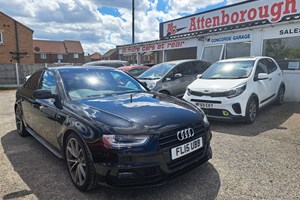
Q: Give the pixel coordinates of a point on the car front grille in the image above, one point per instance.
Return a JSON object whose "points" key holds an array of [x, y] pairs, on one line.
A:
{"points": [[212, 94], [169, 140]]}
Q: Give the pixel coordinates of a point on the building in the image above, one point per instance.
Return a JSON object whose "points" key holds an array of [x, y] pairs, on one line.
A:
{"points": [[111, 54], [95, 56], [48, 51], [249, 28], [15, 41]]}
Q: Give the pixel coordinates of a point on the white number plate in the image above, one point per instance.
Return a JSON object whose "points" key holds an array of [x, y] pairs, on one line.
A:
{"points": [[205, 105], [186, 148]]}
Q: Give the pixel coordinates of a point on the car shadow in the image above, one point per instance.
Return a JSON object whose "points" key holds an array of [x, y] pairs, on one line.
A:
{"points": [[270, 117], [47, 177]]}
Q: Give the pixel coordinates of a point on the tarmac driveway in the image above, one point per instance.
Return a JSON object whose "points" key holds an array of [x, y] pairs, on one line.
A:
{"points": [[258, 161]]}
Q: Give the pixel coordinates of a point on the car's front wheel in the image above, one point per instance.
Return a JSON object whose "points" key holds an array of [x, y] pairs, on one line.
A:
{"points": [[251, 111], [80, 163], [20, 123]]}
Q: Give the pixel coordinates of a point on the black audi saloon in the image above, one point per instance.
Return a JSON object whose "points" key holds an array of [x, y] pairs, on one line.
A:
{"points": [[109, 128]]}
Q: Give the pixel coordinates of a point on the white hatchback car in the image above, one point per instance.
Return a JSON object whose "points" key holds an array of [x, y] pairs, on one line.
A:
{"points": [[236, 89]]}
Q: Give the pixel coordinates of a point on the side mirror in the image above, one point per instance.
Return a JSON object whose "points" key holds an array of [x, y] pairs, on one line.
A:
{"points": [[262, 76], [178, 75], [43, 94], [199, 76]]}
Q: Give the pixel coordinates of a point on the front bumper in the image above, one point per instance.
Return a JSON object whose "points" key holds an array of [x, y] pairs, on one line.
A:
{"points": [[131, 176], [136, 170]]}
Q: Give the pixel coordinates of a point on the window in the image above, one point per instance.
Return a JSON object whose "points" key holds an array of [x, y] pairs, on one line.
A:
{"points": [[212, 53], [60, 56], [43, 56], [239, 49], [1, 38], [286, 51], [76, 55], [32, 83], [261, 68], [270, 65], [48, 82]]}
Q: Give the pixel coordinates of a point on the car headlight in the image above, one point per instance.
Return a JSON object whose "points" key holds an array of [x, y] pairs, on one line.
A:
{"points": [[151, 86], [124, 141], [236, 91]]}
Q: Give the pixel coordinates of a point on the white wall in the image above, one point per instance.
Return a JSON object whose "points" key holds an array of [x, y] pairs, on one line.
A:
{"points": [[292, 85]]}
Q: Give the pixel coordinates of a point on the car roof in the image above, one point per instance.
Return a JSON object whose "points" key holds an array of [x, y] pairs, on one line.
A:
{"points": [[133, 67], [58, 68], [106, 61], [181, 61], [250, 58]]}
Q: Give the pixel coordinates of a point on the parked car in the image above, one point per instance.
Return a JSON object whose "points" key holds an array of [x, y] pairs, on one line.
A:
{"points": [[112, 132], [134, 70], [108, 63], [237, 88], [173, 77]]}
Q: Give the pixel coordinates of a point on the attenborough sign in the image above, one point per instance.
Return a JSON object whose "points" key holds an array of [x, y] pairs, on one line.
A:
{"points": [[250, 11]]}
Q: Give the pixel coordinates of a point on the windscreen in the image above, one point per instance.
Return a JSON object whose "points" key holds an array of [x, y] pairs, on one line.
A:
{"points": [[229, 70], [156, 72], [88, 83]]}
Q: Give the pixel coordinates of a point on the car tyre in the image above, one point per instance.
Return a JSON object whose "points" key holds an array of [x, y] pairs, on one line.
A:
{"points": [[20, 123], [280, 96], [80, 163], [251, 111]]}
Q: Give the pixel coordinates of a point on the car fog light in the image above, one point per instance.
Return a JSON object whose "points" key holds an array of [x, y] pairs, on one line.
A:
{"points": [[225, 113]]}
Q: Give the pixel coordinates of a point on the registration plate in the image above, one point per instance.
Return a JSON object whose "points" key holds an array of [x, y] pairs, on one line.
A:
{"points": [[186, 148], [205, 105]]}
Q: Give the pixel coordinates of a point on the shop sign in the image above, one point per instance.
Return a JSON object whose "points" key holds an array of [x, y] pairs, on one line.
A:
{"points": [[157, 46], [230, 38], [250, 11]]}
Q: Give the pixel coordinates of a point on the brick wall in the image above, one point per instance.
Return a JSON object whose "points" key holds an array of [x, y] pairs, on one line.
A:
{"points": [[7, 27], [50, 58]]}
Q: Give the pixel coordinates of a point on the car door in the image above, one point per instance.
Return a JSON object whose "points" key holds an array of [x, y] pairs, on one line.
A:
{"points": [[186, 71], [262, 86], [26, 97], [275, 76], [44, 114]]}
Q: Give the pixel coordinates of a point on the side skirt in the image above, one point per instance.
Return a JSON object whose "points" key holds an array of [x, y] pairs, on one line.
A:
{"points": [[45, 143]]}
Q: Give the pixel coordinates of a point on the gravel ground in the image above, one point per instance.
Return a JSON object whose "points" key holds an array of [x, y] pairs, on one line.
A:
{"points": [[258, 161]]}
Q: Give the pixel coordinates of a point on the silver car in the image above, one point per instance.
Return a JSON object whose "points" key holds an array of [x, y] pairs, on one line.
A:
{"points": [[108, 63], [173, 77]]}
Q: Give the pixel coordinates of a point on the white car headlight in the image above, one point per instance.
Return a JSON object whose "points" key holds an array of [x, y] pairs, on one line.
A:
{"points": [[151, 85], [124, 141], [236, 91]]}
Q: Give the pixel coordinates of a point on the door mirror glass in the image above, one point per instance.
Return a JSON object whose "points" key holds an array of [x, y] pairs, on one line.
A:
{"points": [[199, 76]]}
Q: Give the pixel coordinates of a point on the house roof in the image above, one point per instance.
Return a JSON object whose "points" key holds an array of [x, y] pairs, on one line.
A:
{"points": [[5, 15], [48, 46], [73, 46], [110, 52], [95, 56]]}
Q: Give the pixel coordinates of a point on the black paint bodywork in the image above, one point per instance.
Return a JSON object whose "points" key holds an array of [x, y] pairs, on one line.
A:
{"points": [[145, 113]]}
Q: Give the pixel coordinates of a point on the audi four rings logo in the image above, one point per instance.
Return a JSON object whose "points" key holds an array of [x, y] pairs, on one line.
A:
{"points": [[185, 134]]}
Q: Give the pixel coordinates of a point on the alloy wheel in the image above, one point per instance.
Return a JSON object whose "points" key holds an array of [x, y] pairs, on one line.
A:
{"points": [[281, 96], [19, 120], [76, 161], [252, 110]]}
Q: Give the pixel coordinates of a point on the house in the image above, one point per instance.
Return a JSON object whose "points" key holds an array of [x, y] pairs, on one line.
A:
{"points": [[49, 51], [15, 41], [95, 56], [111, 54]]}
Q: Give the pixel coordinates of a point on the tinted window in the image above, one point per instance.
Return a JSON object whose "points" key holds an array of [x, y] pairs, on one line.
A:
{"points": [[261, 68], [32, 83], [199, 67], [48, 81], [185, 69], [136, 72], [270, 65]]}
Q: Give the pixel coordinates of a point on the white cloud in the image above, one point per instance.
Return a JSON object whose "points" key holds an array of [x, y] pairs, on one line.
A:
{"points": [[81, 20]]}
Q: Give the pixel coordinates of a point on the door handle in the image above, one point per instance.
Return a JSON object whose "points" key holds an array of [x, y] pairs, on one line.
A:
{"points": [[270, 79]]}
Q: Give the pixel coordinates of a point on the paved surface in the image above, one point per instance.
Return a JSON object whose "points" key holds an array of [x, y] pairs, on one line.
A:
{"points": [[258, 161]]}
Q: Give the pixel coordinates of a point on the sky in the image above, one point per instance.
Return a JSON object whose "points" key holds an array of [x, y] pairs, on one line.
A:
{"points": [[101, 25]]}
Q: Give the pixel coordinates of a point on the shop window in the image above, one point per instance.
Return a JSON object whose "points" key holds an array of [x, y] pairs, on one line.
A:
{"points": [[43, 56], [286, 51], [76, 55], [239, 49], [212, 53], [1, 38]]}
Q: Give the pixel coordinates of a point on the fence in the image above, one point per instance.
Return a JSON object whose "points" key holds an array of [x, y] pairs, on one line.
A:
{"points": [[13, 75]]}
